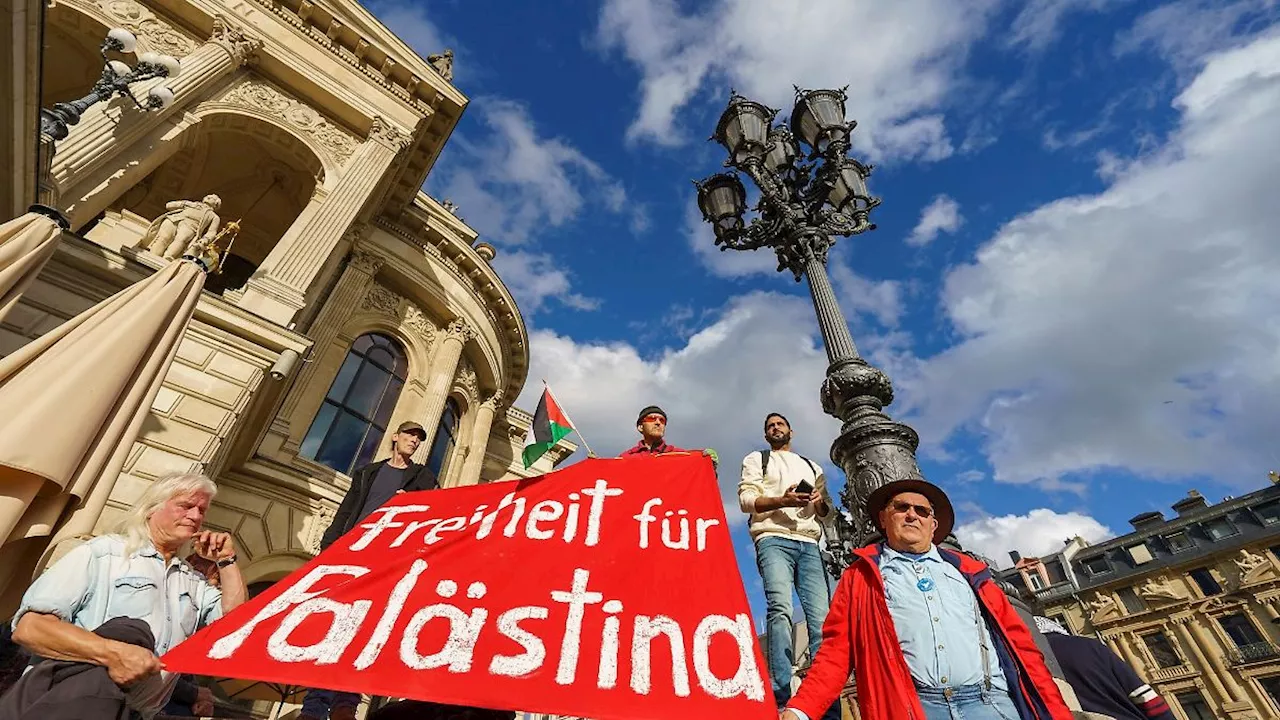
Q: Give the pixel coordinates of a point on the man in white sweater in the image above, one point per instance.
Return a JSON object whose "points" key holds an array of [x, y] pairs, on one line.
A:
{"points": [[785, 495]]}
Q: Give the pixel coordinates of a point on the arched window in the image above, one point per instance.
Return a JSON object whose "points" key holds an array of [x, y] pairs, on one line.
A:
{"points": [[353, 419], [445, 440]]}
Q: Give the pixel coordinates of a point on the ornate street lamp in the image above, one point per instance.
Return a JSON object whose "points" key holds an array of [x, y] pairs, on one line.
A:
{"points": [[116, 79], [805, 202]]}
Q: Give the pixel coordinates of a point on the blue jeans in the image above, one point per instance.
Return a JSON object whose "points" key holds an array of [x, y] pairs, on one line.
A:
{"points": [[968, 702], [317, 703], [787, 566]]}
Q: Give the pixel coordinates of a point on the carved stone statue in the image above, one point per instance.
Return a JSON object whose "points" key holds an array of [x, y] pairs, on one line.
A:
{"points": [[1159, 590], [184, 222], [449, 205], [442, 64], [207, 251], [1104, 606], [1252, 566]]}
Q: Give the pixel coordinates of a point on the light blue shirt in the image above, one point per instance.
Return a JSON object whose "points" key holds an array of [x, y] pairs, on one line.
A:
{"points": [[96, 582], [935, 613]]}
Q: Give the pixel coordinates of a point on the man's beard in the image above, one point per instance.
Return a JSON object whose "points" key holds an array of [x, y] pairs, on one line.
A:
{"points": [[780, 442]]}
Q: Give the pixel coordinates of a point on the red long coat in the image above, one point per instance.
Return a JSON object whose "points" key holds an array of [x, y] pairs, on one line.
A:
{"points": [[858, 635]]}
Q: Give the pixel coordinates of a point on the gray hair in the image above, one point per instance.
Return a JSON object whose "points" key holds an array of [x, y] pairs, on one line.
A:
{"points": [[133, 525]]}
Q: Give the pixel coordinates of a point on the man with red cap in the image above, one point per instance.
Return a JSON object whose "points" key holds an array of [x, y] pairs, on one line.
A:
{"points": [[926, 632]]}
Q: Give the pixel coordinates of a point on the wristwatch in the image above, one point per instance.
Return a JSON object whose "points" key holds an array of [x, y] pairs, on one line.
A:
{"points": [[227, 561]]}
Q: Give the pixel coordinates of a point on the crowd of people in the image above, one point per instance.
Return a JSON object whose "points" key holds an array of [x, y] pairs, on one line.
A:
{"points": [[922, 627]]}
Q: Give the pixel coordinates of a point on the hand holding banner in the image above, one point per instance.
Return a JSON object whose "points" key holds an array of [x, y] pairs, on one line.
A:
{"points": [[605, 590]]}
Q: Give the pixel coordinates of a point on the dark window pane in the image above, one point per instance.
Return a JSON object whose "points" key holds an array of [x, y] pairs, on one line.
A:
{"points": [[1272, 686], [319, 428], [1219, 528], [1097, 565], [367, 390], [1056, 573], [1208, 584], [338, 390], [1132, 603], [1179, 541], [370, 448], [1240, 630], [1194, 706], [388, 403], [1270, 515], [442, 445], [340, 447], [1162, 650], [350, 424]]}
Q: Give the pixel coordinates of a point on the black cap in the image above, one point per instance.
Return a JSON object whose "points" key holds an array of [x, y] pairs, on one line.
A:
{"points": [[651, 410]]}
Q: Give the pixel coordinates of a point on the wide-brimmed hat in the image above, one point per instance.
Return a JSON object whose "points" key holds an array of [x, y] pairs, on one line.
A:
{"points": [[942, 509]]}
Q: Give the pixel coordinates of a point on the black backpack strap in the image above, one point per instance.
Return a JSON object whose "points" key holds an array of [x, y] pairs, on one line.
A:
{"points": [[764, 463], [816, 471]]}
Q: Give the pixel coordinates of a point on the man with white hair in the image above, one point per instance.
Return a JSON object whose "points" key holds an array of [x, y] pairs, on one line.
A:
{"points": [[136, 572]]}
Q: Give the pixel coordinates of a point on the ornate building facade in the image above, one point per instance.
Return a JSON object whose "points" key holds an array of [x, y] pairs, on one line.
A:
{"points": [[1191, 602], [350, 300]]}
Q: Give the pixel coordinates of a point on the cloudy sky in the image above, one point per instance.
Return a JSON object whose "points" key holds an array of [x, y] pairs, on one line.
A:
{"points": [[1075, 277]]}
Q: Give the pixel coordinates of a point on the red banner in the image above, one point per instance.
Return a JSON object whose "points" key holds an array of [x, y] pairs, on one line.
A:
{"points": [[606, 590]]}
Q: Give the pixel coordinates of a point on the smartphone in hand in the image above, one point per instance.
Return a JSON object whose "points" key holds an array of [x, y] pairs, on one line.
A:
{"points": [[804, 488]]}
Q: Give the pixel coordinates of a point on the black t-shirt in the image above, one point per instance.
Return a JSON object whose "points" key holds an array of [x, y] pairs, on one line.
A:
{"points": [[385, 484]]}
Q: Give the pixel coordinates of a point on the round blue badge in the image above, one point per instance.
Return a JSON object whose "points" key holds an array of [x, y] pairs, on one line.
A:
{"points": [[924, 584]]}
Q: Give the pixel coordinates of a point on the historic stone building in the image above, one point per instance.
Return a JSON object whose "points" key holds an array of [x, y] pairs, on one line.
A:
{"points": [[350, 301], [1191, 602]]}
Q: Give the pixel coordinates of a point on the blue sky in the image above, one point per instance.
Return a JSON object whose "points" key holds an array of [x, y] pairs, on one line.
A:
{"points": [[1074, 279]]}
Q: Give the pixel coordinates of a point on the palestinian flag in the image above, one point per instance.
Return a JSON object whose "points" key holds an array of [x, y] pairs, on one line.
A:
{"points": [[550, 424]]}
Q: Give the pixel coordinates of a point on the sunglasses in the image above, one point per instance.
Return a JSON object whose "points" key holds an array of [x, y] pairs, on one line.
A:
{"points": [[653, 419], [923, 511]]}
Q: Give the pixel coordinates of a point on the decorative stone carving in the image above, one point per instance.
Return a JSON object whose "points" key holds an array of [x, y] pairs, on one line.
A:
{"points": [[155, 34], [315, 530], [442, 63], [257, 93], [449, 205], [1104, 608], [381, 300], [366, 261], [1253, 567], [461, 330], [1159, 589], [467, 380], [183, 222], [387, 134], [232, 38], [418, 321], [496, 402]]}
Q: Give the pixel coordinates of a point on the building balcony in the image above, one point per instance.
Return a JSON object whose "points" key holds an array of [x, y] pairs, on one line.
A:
{"points": [[1177, 672], [1053, 593], [1254, 652]]}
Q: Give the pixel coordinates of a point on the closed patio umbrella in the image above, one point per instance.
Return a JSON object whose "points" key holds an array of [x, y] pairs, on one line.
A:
{"points": [[74, 400], [26, 244]]}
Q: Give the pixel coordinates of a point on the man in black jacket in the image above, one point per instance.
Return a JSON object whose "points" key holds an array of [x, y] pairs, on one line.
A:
{"points": [[371, 487], [1104, 684]]}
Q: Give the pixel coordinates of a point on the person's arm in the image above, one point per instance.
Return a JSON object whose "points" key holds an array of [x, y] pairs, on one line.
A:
{"points": [[820, 504], [218, 546], [1024, 646], [185, 692], [834, 662], [51, 637], [346, 509], [1140, 693]]}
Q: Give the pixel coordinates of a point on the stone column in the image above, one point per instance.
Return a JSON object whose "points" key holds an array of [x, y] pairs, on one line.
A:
{"points": [[1134, 651], [108, 129], [1232, 690], [279, 288], [1269, 607], [479, 444], [1184, 634], [444, 366], [338, 307]]}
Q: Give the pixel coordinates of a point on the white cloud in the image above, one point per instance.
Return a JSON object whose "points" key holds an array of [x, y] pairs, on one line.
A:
{"points": [[940, 216], [536, 277], [1134, 328], [513, 184], [899, 59], [1039, 22], [1035, 534], [1185, 32]]}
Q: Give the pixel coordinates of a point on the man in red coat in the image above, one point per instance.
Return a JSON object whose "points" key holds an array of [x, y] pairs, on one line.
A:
{"points": [[926, 631]]}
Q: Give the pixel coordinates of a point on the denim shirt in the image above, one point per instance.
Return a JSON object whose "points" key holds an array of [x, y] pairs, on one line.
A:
{"points": [[935, 613], [96, 582]]}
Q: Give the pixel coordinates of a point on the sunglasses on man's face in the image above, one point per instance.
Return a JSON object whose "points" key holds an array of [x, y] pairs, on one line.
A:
{"points": [[654, 419], [923, 511]]}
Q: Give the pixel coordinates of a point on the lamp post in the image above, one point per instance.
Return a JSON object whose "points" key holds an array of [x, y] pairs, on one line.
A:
{"points": [[806, 201], [116, 79]]}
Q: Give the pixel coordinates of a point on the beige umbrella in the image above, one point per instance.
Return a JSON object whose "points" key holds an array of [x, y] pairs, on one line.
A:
{"points": [[76, 397], [26, 244]]}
